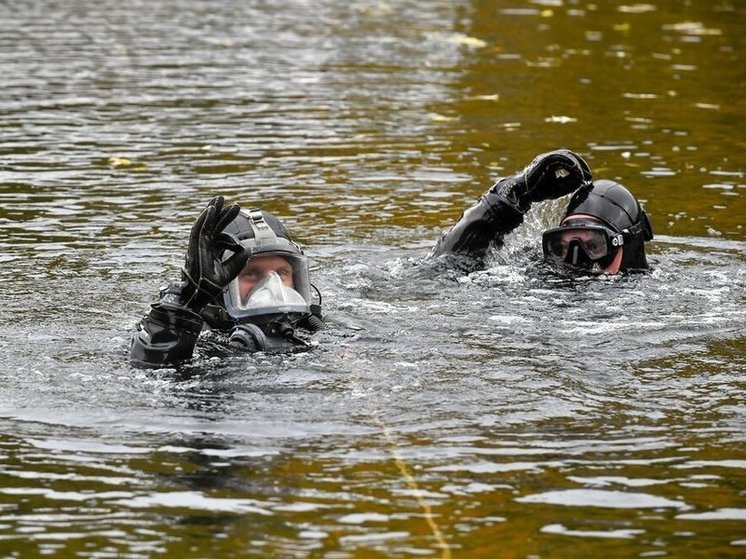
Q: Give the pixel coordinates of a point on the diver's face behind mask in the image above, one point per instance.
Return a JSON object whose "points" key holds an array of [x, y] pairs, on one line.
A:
{"points": [[269, 285], [259, 268], [584, 244]]}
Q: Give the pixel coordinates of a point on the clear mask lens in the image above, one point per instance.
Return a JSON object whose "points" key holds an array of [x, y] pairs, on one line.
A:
{"points": [[268, 275], [270, 293]]}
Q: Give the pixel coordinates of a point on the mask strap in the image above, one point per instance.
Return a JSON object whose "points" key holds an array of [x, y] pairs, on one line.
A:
{"points": [[262, 230], [642, 227], [633, 231], [647, 228], [260, 227]]}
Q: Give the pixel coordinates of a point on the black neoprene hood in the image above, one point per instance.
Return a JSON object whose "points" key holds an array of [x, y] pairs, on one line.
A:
{"points": [[608, 201]]}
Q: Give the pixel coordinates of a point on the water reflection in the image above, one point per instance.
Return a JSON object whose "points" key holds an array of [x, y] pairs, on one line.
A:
{"points": [[507, 413]]}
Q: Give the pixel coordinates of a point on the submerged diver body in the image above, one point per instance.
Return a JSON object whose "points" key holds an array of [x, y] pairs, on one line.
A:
{"points": [[603, 229], [244, 279]]}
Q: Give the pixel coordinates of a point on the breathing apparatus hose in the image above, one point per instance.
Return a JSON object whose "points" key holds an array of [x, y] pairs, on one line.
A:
{"points": [[312, 323]]}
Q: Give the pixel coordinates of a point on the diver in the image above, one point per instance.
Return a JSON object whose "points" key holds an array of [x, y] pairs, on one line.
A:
{"points": [[603, 230], [244, 280]]}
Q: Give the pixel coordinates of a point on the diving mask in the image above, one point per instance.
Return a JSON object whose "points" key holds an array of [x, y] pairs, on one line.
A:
{"points": [[582, 244]]}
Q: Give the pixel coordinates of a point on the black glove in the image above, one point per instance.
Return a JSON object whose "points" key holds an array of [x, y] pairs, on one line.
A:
{"points": [[550, 175], [204, 275]]}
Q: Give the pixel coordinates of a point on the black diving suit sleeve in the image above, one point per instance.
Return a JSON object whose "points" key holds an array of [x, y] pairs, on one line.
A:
{"points": [[481, 227], [501, 209], [165, 336]]}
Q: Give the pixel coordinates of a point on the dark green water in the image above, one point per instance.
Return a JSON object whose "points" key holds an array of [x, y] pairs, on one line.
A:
{"points": [[504, 414]]}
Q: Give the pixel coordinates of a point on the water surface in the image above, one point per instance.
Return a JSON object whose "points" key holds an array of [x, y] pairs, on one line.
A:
{"points": [[508, 413]]}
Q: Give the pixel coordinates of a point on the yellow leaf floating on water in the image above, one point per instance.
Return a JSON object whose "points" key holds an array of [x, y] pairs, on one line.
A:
{"points": [[435, 117], [468, 41], [125, 163], [547, 13], [494, 97], [623, 27], [692, 28], [560, 119], [119, 162], [709, 106], [637, 8]]}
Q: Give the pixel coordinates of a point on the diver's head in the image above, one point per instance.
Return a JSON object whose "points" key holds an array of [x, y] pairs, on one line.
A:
{"points": [[274, 282], [603, 231]]}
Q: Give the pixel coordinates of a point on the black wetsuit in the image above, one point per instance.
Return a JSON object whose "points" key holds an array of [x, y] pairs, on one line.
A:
{"points": [[482, 227], [221, 242], [501, 209], [169, 332]]}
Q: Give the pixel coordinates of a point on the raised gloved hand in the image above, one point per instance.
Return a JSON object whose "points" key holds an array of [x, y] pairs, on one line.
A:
{"points": [[204, 275], [550, 175]]}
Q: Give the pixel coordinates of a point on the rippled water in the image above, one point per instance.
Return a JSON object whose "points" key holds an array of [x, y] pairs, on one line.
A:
{"points": [[509, 413]]}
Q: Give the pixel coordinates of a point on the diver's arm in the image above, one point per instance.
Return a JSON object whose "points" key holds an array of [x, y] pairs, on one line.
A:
{"points": [[169, 332], [480, 227], [166, 336], [502, 207]]}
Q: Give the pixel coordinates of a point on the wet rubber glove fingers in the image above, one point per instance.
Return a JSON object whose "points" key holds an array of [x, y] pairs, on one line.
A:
{"points": [[554, 174], [205, 275], [235, 263]]}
